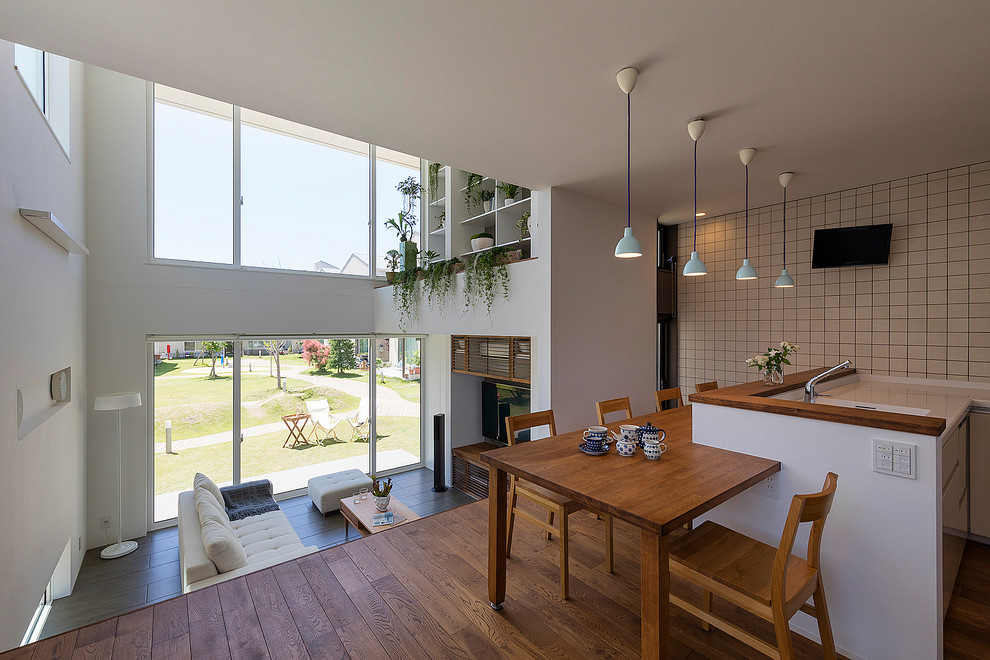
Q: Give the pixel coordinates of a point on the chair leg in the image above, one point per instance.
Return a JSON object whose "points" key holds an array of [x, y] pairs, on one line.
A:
{"points": [[706, 605], [564, 581], [609, 563], [824, 624], [548, 535], [508, 527], [783, 633]]}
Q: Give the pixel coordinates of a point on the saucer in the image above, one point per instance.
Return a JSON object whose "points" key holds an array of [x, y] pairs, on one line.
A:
{"points": [[593, 453]]}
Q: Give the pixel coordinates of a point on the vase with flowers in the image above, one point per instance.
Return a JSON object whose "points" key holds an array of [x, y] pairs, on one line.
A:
{"points": [[772, 362]]}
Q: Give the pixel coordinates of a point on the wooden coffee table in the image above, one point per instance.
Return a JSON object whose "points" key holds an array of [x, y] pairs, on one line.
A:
{"points": [[360, 514]]}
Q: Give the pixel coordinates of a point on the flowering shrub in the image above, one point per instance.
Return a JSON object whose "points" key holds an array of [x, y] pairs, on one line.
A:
{"points": [[775, 358], [316, 353]]}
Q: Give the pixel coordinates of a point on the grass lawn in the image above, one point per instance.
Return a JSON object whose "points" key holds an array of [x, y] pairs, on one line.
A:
{"points": [[264, 454]]}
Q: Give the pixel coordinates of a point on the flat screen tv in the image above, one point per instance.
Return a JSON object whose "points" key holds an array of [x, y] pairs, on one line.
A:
{"points": [[851, 246], [499, 401]]}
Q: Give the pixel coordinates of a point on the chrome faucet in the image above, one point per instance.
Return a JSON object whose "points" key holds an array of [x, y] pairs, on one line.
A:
{"points": [[809, 388]]}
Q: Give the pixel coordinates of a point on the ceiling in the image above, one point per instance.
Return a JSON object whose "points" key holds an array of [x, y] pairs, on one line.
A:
{"points": [[843, 92]]}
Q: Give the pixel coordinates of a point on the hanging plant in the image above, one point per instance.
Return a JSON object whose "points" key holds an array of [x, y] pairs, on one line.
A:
{"points": [[473, 190], [434, 181], [485, 278], [523, 224], [404, 296], [438, 282], [441, 219]]}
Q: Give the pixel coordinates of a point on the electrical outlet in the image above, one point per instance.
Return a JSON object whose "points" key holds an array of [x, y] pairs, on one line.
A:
{"points": [[105, 522], [768, 488]]}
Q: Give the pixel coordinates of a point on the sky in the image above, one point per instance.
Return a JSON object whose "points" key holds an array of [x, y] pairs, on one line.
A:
{"points": [[302, 202]]}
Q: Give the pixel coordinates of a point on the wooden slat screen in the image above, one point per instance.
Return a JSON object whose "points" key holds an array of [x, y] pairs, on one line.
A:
{"points": [[504, 358]]}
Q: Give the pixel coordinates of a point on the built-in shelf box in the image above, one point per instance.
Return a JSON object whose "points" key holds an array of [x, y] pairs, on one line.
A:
{"points": [[503, 358], [53, 229]]}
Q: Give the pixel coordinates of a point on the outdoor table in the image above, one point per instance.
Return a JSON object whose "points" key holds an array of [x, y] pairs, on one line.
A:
{"points": [[656, 496], [296, 424]]}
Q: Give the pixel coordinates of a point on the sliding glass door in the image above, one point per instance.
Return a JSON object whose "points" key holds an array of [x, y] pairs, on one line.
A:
{"points": [[305, 408]]}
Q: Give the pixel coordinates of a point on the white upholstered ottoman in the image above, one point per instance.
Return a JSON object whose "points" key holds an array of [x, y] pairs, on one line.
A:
{"points": [[326, 491]]}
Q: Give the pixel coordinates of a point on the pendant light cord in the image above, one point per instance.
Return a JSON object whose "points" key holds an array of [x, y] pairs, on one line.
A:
{"points": [[628, 159], [747, 211], [695, 195], [785, 227]]}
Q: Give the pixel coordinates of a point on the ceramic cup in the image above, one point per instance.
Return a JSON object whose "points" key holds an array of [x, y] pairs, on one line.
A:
{"points": [[594, 442], [599, 431], [654, 449], [625, 447], [628, 432]]}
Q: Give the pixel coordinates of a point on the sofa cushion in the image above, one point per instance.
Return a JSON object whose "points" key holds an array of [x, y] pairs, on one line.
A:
{"points": [[222, 546], [327, 490], [201, 481], [206, 507], [262, 534]]}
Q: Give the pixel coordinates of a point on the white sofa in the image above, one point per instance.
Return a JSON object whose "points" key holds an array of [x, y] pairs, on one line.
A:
{"points": [[267, 539]]}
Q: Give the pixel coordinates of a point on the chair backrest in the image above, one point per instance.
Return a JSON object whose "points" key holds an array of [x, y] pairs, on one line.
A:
{"points": [[706, 387], [363, 413], [613, 405], [514, 425], [811, 508], [319, 410], [670, 394]]}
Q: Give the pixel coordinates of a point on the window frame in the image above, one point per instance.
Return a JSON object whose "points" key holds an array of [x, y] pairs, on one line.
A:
{"points": [[52, 100], [237, 265]]}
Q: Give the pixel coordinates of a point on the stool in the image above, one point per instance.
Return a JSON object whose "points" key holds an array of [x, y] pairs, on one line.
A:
{"points": [[327, 490]]}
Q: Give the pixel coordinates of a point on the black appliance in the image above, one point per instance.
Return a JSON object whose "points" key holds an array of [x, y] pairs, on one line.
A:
{"points": [[851, 246]]}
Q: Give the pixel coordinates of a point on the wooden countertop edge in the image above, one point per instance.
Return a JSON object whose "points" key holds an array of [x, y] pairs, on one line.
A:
{"points": [[755, 396]]}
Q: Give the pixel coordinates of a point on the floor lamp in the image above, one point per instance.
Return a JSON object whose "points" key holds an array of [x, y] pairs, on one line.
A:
{"points": [[118, 402]]}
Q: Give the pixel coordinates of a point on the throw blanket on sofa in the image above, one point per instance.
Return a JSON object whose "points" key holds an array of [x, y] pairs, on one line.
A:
{"points": [[248, 499]]}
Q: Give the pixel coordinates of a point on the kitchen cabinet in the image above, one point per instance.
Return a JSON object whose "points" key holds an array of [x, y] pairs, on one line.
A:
{"points": [[955, 505], [979, 454]]}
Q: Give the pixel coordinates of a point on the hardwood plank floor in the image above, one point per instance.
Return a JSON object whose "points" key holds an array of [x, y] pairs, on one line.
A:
{"points": [[420, 591], [967, 623]]}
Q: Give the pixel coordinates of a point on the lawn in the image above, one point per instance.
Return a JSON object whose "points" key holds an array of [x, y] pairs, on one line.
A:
{"points": [[264, 454]]}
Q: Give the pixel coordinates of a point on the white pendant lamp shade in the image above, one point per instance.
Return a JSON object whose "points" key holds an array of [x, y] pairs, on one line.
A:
{"points": [[628, 247], [695, 266], [785, 281], [746, 271]]}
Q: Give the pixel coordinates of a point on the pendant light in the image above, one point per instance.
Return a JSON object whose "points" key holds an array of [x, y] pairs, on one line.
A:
{"points": [[746, 271], [785, 281], [695, 266], [628, 247]]}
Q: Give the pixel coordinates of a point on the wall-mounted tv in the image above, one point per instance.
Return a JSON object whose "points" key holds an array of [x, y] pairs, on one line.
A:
{"points": [[499, 401], [851, 246]]}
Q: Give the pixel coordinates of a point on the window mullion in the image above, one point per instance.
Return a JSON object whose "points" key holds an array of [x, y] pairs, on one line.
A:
{"points": [[237, 200], [372, 210]]}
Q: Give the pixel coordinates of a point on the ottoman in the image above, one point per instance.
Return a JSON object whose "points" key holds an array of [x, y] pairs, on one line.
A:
{"points": [[327, 490]]}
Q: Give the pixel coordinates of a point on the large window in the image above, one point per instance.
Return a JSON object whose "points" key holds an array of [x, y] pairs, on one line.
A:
{"points": [[241, 188]]}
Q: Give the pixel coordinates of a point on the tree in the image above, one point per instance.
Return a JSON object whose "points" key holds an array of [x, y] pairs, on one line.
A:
{"points": [[342, 355], [316, 354], [213, 348], [275, 348]]}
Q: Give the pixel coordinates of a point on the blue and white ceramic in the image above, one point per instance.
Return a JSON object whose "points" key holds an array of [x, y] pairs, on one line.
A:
{"points": [[648, 432], [594, 442], [629, 432], [598, 431], [625, 447], [593, 452], [654, 449]]}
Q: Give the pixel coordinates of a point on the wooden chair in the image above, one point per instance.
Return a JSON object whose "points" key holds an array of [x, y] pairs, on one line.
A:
{"points": [[706, 387], [770, 582], [671, 394], [554, 503], [613, 405]]}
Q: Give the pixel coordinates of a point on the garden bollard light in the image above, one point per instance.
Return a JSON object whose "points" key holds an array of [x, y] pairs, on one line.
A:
{"points": [[168, 436]]}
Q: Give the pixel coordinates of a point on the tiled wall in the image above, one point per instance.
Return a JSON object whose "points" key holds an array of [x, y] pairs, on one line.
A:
{"points": [[926, 314]]}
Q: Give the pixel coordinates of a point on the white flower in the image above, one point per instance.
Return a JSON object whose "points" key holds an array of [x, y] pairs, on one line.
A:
{"points": [[761, 360]]}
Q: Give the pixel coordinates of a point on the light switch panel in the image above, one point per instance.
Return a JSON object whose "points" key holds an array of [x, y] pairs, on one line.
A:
{"points": [[897, 458]]}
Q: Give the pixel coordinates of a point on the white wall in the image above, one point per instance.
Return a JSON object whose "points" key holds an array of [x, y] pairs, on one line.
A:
{"points": [[42, 328], [603, 309], [129, 298], [880, 549]]}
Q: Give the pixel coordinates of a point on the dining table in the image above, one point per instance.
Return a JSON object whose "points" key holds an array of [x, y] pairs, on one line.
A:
{"points": [[656, 496]]}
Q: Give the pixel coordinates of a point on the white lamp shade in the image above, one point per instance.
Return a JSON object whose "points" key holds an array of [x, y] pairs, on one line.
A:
{"points": [[628, 247], [746, 271], [695, 266], [785, 281], [117, 401]]}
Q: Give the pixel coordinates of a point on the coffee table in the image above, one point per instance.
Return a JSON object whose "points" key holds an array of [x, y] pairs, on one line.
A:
{"points": [[360, 514]]}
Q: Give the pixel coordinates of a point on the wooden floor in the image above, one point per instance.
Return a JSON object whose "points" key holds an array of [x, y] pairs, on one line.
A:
{"points": [[967, 623], [418, 591]]}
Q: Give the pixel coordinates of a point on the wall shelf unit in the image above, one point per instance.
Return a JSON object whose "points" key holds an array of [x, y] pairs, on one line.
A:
{"points": [[503, 358]]}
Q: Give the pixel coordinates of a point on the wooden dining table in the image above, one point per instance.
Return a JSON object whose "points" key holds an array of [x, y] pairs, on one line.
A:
{"points": [[656, 496]]}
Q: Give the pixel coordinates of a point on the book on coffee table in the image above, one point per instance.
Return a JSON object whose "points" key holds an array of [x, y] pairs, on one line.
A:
{"points": [[386, 518]]}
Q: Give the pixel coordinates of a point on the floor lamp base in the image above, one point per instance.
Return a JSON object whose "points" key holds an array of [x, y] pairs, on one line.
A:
{"points": [[119, 549]]}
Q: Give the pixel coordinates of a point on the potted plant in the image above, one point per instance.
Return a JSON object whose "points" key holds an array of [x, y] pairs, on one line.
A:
{"points": [[403, 227], [435, 181], [382, 490], [428, 257], [486, 276], [392, 258], [772, 362], [510, 190], [523, 224], [472, 190], [486, 197], [438, 281], [404, 297], [482, 241], [441, 219]]}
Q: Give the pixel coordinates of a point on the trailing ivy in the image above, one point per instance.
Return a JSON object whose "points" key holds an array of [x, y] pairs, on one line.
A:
{"points": [[434, 181], [486, 277], [473, 190], [404, 296], [438, 282]]}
